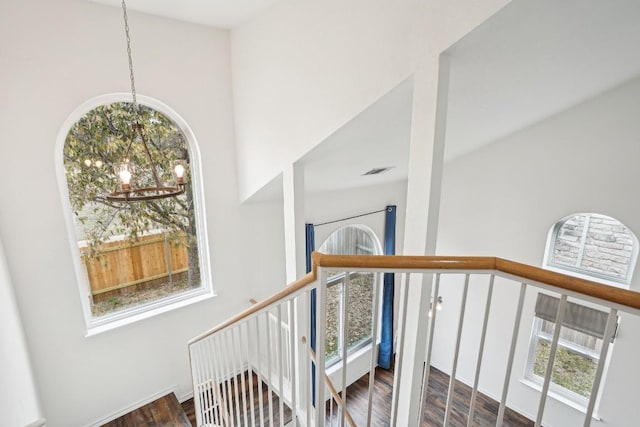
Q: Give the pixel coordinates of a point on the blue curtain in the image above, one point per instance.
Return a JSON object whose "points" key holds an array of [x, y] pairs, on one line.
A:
{"points": [[310, 245], [385, 352]]}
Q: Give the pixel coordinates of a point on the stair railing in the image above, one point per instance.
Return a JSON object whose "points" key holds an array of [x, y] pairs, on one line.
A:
{"points": [[238, 367]]}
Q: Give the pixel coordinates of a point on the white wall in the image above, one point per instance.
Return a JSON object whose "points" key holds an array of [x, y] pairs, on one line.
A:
{"points": [[321, 207], [18, 398], [303, 69], [55, 56], [502, 200]]}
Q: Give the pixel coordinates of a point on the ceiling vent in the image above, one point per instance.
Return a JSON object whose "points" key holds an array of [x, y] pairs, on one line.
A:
{"points": [[377, 171]]}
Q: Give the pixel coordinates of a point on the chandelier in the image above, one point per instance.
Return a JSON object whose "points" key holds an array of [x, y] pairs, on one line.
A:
{"points": [[126, 171]]}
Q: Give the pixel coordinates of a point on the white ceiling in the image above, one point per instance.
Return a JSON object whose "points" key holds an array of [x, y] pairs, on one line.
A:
{"points": [[530, 61], [376, 138], [216, 13], [534, 59]]}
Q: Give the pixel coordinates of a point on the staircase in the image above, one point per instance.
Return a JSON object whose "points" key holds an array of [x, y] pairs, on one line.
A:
{"points": [[261, 364]]}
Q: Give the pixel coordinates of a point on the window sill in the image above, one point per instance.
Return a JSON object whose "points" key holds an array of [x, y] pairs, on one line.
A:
{"points": [[558, 397], [336, 365], [136, 314]]}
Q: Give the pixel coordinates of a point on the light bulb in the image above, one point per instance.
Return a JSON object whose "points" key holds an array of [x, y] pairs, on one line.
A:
{"points": [[124, 173], [179, 170], [125, 177]]}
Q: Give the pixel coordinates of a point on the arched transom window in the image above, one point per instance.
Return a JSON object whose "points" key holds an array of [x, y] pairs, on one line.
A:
{"points": [[595, 245]]}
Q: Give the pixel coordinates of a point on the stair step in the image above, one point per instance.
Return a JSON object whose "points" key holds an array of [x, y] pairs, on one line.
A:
{"points": [[165, 411]]}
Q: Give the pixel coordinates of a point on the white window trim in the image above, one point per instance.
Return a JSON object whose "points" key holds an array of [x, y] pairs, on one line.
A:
{"points": [[96, 325]]}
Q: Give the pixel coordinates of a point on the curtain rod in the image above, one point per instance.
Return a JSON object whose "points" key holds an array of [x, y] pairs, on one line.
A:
{"points": [[348, 218]]}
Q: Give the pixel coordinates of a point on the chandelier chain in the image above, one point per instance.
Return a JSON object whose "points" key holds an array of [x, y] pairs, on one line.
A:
{"points": [[126, 30]]}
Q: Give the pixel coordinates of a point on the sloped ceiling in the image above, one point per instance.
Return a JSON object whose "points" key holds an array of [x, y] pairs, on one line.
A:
{"points": [[216, 13]]}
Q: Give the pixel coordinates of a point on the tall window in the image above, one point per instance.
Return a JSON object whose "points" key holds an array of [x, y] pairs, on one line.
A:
{"points": [[133, 256], [585, 244], [349, 240]]}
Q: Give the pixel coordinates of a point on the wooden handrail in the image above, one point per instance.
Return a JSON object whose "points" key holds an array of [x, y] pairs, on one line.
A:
{"points": [[525, 273], [332, 389], [292, 288]]}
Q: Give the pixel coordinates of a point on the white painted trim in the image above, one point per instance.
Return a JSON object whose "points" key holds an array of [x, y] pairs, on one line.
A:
{"points": [[132, 407], [95, 326], [136, 314], [559, 397]]}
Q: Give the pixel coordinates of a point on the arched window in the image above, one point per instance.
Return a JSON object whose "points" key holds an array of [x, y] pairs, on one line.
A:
{"points": [[595, 245], [136, 257], [600, 248], [358, 296]]}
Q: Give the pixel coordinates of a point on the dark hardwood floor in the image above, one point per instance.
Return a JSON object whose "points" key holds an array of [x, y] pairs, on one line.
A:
{"points": [[485, 412], [165, 411]]}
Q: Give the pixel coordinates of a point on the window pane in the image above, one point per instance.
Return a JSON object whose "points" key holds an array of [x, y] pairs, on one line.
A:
{"points": [[360, 310], [594, 244], [569, 241], [608, 247], [588, 342], [571, 370], [332, 347], [133, 253]]}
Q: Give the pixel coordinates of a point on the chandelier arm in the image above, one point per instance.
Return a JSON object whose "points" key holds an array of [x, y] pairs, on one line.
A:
{"points": [[148, 153]]}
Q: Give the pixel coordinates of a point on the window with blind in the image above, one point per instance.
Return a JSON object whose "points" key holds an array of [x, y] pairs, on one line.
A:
{"points": [[585, 244], [578, 348]]}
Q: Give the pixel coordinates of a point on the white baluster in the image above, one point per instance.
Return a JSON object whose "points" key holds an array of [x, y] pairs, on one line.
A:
{"points": [[431, 321], [512, 351], [452, 378], [609, 331], [398, 360], [292, 360], [238, 353], [259, 379], [250, 353], [552, 358], [280, 354], [269, 379], [485, 321], [321, 333], [375, 316], [344, 338], [229, 353]]}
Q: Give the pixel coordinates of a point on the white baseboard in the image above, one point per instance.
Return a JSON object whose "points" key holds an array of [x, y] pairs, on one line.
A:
{"points": [[132, 407], [186, 396]]}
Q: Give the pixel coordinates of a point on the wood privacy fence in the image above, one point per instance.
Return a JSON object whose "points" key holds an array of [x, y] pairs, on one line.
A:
{"points": [[126, 263]]}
